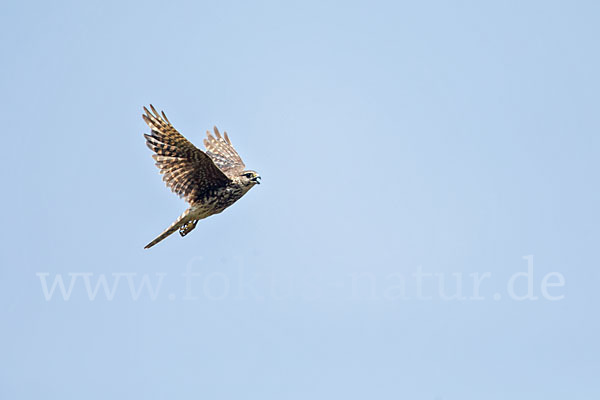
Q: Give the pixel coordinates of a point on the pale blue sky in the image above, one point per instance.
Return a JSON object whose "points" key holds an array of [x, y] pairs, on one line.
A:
{"points": [[392, 138]]}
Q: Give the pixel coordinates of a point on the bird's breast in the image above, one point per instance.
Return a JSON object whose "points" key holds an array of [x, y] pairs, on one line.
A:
{"points": [[218, 200]]}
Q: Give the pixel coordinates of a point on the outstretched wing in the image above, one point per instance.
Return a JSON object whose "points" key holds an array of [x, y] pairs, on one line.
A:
{"points": [[223, 154], [187, 170]]}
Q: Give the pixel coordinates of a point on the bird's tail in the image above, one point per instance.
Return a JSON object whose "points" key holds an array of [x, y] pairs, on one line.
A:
{"points": [[179, 222]]}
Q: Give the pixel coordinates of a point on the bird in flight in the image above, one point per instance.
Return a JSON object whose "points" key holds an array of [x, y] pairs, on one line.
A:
{"points": [[209, 181]]}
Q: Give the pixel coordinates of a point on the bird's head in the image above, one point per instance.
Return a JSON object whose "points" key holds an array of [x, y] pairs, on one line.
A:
{"points": [[249, 178]]}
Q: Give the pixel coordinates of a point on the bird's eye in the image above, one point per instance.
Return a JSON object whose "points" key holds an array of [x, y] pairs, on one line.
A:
{"points": [[248, 175]]}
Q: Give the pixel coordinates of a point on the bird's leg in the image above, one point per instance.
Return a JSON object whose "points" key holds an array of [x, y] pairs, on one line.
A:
{"points": [[187, 227]]}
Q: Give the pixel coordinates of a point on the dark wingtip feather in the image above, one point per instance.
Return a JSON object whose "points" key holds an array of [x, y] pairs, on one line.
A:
{"points": [[154, 111], [165, 117]]}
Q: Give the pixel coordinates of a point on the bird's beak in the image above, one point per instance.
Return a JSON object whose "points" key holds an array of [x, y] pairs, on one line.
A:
{"points": [[256, 179]]}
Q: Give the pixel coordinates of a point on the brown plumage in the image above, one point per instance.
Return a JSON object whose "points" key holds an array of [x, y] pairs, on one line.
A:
{"points": [[209, 182]]}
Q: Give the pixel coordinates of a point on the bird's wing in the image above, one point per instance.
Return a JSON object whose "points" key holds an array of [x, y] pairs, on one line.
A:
{"points": [[187, 170], [221, 151]]}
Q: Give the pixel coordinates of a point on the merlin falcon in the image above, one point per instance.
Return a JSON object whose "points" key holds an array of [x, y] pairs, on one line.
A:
{"points": [[209, 181]]}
